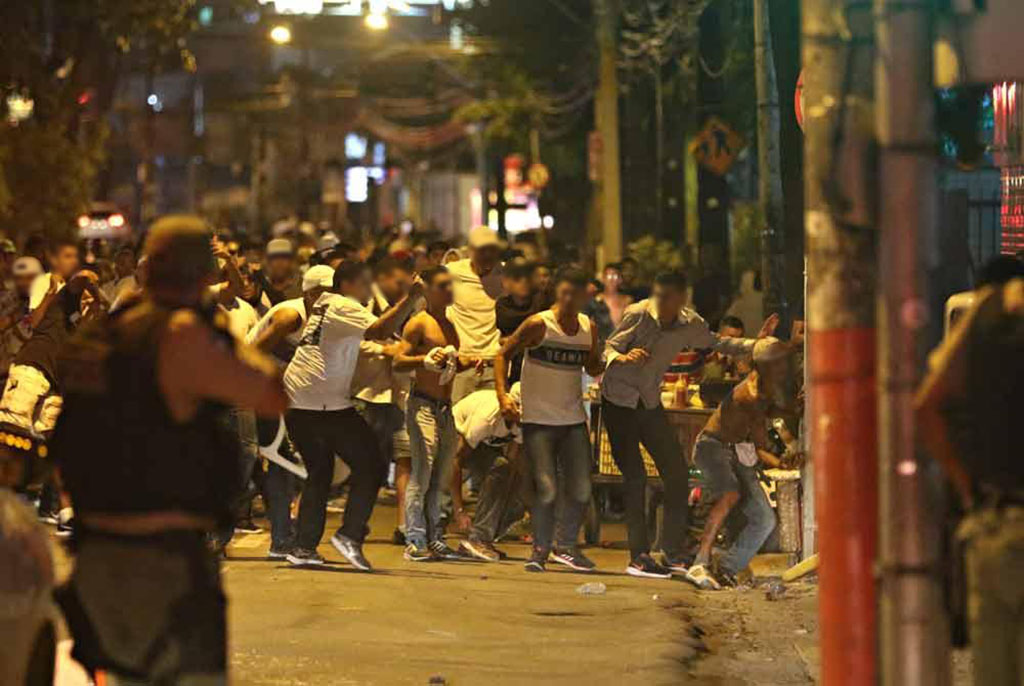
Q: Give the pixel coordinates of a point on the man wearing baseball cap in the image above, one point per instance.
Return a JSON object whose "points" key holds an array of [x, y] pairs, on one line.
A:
{"points": [[477, 285], [728, 451], [279, 281]]}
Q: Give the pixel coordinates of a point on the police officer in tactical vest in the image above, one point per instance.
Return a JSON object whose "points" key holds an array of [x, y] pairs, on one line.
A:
{"points": [[151, 472]]}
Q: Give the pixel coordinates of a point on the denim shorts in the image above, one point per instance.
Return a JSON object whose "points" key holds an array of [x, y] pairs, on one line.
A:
{"points": [[717, 463]]}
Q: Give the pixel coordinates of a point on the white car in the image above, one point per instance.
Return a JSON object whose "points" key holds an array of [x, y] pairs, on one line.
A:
{"points": [[103, 220]]}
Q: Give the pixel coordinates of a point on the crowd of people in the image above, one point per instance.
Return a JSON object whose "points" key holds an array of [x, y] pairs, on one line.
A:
{"points": [[172, 386]]}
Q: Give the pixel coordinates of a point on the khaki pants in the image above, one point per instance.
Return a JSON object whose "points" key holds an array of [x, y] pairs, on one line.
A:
{"points": [[995, 600], [27, 402]]}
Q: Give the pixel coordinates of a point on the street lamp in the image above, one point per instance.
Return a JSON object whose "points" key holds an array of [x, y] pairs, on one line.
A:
{"points": [[377, 21], [281, 34]]}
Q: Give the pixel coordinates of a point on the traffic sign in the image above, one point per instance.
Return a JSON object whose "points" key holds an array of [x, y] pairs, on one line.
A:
{"points": [[716, 146]]}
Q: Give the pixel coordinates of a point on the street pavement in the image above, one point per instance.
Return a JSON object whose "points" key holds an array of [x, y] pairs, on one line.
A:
{"points": [[450, 622]]}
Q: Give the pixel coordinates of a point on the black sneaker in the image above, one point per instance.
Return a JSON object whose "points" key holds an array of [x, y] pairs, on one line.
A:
{"points": [[676, 564], [300, 557], [644, 566], [276, 553], [443, 551], [416, 553], [574, 559], [538, 558], [247, 526], [351, 551], [398, 537], [481, 550]]}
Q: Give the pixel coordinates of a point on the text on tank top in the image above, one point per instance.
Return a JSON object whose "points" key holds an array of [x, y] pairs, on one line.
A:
{"points": [[552, 375]]}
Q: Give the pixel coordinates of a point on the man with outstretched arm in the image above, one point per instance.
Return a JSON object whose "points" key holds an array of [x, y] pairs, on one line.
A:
{"points": [[558, 344], [652, 332], [323, 420]]}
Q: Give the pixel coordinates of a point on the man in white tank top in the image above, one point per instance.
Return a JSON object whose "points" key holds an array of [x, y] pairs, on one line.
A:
{"points": [[559, 344]]}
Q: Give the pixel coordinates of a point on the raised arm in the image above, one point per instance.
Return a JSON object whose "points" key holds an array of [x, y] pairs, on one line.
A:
{"points": [[946, 381], [529, 334], [195, 364], [392, 318], [38, 312], [282, 323]]}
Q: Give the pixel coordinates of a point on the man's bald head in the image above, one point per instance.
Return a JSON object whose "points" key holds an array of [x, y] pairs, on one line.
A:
{"points": [[177, 254]]}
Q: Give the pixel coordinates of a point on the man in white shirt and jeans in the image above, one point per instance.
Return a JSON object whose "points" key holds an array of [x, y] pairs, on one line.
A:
{"points": [[476, 285], [323, 421]]}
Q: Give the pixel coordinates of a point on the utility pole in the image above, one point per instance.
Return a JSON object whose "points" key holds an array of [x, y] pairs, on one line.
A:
{"points": [[606, 115], [914, 635], [769, 166], [840, 243]]}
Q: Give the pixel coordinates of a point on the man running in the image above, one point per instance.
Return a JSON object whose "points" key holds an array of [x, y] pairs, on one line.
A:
{"points": [[430, 347], [638, 353], [727, 452], [323, 420], [151, 472], [559, 343]]}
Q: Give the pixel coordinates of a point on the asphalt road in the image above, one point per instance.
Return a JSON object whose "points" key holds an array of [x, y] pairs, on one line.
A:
{"points": [[450, 622]]}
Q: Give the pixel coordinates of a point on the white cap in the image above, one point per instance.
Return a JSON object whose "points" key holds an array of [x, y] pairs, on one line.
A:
{"points": [[26, 266], [482, 237], [280, 247], [327, 241], [320, 276], [768, 349]]}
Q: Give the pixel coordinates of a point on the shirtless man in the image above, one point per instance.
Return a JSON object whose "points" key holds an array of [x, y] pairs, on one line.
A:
{"points": [[727, 452], [430, 347]]}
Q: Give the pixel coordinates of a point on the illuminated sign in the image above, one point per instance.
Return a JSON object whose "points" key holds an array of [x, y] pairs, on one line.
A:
{"points": [[357, 8], [1012, 210]]}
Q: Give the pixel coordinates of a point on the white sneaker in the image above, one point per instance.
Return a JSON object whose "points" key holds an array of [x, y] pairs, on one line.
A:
{"points": [[699, 576]]}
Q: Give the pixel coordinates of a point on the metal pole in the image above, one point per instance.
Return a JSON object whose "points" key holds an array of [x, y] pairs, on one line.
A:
{"points": [[606, 114], [840, 243], [912, 622], [769, 166]]}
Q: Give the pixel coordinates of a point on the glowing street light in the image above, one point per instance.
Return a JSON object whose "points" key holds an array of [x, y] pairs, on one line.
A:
{"points": [[377, 21], [281, 34]]}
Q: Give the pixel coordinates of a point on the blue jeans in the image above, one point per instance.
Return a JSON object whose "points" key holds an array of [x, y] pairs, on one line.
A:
{"points": [[432, 442], [553, 452], [723, 473]]}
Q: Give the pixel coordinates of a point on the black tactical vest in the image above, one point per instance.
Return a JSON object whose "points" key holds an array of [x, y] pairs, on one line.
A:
{"points": [[117, 445]]}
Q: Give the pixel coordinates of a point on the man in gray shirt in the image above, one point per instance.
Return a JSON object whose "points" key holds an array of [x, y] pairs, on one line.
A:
{"points": [[638, 354]]}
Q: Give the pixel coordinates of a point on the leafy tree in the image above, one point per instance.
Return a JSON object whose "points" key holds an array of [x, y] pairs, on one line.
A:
{"points": [[66, 56]]}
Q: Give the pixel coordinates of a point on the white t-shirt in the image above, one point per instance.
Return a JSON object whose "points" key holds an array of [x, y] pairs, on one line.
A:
{"points": [[292, 339], [472, 313], [319, 377], [241, 318], [478, 418]]}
